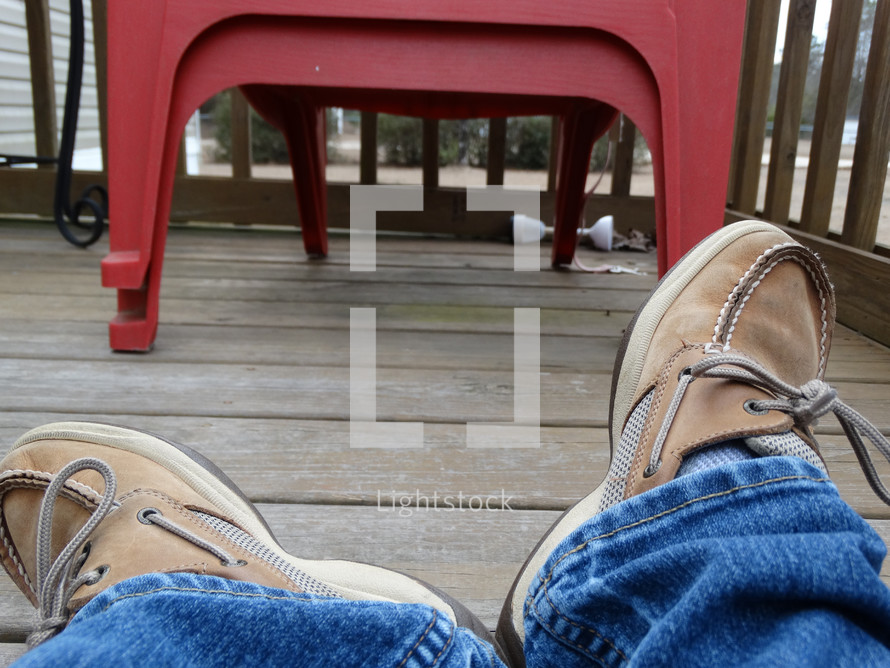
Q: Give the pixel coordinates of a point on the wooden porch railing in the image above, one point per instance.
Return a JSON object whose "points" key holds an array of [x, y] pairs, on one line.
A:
{"points": [[859, 266]]}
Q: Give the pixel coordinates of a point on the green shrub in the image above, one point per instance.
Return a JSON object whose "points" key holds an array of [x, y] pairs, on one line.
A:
{"points": [[463, 142], [528, 142], [401, 138], [267, 144]]}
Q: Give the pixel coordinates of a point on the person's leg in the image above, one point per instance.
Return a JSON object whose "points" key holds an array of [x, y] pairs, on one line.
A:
{"points": [[716, 536], [140, 551], [754, 563], [182, 619]]}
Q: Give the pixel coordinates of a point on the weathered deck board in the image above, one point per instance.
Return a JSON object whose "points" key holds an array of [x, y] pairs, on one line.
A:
{"points": [[288, 270], [396, 347], [409, 291], [309, 461], [322, 393], [9, 652], [251, 368]]}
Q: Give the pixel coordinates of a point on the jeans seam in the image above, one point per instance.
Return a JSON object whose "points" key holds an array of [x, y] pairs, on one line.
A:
{"points": [[544, 582], [670, 511], [581, 648], [198, 590], [489, 649], [445, 646], [426, 632]]}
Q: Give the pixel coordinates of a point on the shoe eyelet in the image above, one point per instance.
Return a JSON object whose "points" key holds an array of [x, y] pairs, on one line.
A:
{"points": [[750, 407], [100, 574], [81, 560], [234, 564], [145, 513], [650, 471], [687, 371]]}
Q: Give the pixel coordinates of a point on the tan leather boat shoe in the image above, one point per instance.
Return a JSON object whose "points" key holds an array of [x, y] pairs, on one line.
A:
{"points": [[84, 506], [727, 353]]}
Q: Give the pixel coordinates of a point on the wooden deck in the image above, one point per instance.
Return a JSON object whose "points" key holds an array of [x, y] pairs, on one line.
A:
{"points": [[251, 367]]}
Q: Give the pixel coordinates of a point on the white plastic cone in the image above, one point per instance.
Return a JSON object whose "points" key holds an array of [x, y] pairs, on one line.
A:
{"points": [[527, 230], [601, 233]]}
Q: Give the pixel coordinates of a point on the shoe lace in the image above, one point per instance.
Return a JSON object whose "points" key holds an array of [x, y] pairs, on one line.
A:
{"points": [[57, 582], [804, 404]]}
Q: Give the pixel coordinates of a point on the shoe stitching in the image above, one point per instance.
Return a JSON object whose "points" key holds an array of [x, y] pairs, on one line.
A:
{"points": [[806, 264], [582, 648], [31, 479], [647, 425], [823, 353], [743, 301], [733, 297], [545, 581], [653, 411], [823, 342], [184, 514], [10, 550], [784, 425], [196, 567]]}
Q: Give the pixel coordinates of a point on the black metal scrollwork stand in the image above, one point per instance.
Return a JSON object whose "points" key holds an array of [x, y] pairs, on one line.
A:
{"points": [[67, 216]]}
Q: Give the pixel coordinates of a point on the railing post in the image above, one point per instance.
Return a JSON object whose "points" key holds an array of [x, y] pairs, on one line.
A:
{"points": [[831, 110], [182, 158], [789, 105], [240, 124], [872, 141], [43, 94], [100, 49], [368, 151], [554, 154], [622, 168], [497, 148], [430, 154], [757, 70]]}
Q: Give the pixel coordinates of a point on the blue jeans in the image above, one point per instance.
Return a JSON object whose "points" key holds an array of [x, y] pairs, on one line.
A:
{"points": [[754, 563]]}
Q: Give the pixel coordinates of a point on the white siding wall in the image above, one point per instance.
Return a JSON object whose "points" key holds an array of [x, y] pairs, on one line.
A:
{"points": [[16, 115]]}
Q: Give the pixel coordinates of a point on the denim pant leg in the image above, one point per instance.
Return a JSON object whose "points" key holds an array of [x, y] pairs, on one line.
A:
{"points": [[753, 563], [193, 620]]}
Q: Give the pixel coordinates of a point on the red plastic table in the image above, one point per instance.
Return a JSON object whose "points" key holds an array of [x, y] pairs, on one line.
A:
{"points": [[670, 65]]}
